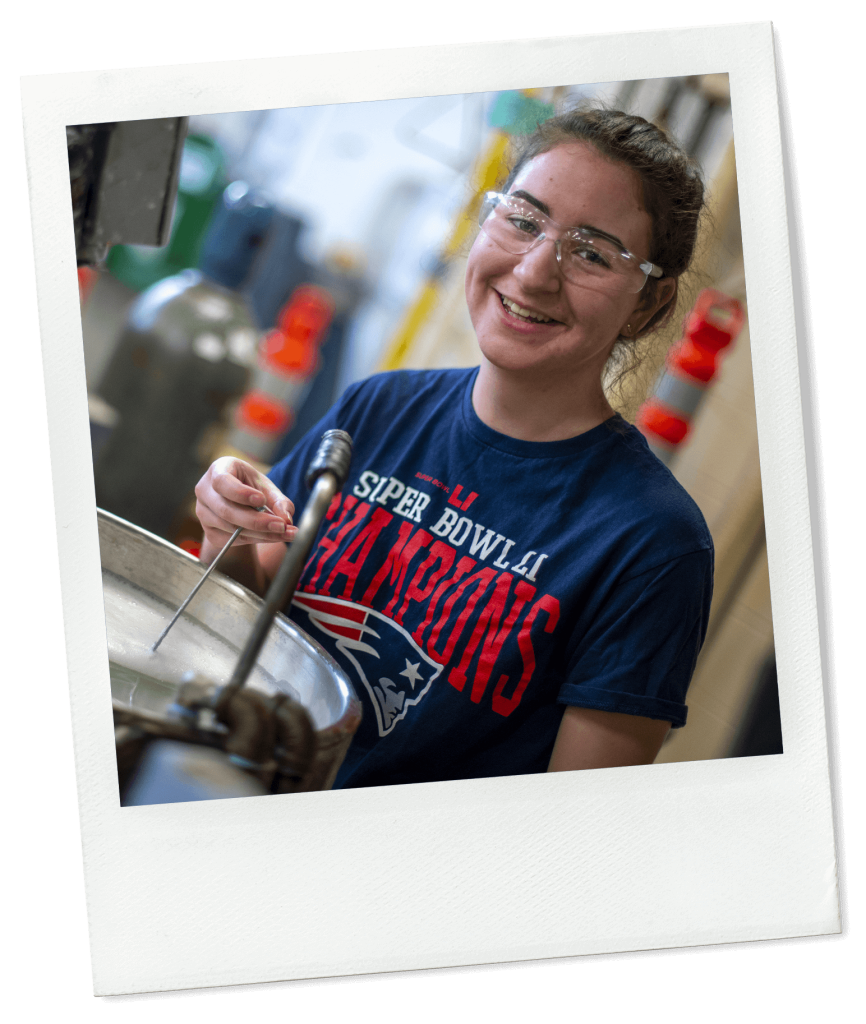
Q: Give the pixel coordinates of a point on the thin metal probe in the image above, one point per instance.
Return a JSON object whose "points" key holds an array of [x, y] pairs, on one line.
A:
{"points": [[200, 584]]}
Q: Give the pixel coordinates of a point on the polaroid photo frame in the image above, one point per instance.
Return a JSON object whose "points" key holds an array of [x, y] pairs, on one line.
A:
{"points": [[446, 874]]}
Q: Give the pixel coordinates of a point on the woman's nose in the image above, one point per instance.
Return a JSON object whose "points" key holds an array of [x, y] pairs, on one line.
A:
{"points": [[539, 267]]}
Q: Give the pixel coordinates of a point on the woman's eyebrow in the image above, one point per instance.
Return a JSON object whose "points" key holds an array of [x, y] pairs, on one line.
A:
{"points": [[545, 209], [605, 234]]}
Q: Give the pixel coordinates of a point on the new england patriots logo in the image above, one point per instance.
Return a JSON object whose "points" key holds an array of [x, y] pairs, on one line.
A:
{"points": [[350, 625]]}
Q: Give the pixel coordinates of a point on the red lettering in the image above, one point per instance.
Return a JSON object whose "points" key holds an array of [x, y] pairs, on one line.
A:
{"points": [[335, 504], [454, 498], [333, 537], [420, 540], [481, 580], [505, 705], [489, 620], [365, 540], [445, 555], [397, 564], [463, 566], [391, 564]]}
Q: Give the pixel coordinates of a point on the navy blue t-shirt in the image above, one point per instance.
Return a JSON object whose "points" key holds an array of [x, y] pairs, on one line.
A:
{"points": [[472, 584]]}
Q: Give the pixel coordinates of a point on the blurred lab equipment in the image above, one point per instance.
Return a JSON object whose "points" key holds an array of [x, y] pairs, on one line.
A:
{"points": [[124, 178], [194, 357], [288, 359], [201, 183], [185, 354], [691, 365]]}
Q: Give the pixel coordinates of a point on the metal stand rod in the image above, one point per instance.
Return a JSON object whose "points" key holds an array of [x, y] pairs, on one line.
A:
{"points": [[283, 585], [200, 584]]}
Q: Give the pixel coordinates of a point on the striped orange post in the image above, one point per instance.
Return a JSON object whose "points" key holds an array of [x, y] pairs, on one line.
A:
{"points": [[288, 359], [666, 418]]}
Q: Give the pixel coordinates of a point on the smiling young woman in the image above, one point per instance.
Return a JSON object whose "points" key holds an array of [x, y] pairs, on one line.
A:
{"points": [[541, 334], [512, 581]]}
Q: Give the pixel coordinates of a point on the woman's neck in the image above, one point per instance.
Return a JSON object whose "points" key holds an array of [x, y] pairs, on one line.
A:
{"points": [[537, 409]]}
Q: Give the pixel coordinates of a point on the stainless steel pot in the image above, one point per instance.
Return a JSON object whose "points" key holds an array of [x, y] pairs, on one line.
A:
{"points": [[145, 577]]}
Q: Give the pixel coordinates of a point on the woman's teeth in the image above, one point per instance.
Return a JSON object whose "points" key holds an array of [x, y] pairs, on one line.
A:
{"points": [[524, 314]]}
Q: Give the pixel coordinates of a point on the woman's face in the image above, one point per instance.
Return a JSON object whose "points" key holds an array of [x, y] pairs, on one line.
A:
{"points": [[575, 186]]}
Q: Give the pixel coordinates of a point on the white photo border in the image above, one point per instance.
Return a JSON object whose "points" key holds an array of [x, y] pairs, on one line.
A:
{"points": [[324, 884]]}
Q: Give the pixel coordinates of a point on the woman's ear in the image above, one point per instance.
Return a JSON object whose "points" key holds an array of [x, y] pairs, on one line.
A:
{"points": [[661, 293], [666, 290]]}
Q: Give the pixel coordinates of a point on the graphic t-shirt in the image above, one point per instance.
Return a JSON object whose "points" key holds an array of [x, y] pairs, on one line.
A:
{"points": [[471, 584]]}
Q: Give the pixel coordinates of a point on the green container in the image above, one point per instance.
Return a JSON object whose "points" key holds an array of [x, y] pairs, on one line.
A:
{"points": [[518, 114], [202, 180]]}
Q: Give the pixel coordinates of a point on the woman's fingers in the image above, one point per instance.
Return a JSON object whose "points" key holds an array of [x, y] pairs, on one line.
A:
{"points": [[229, 495], [220, 519], [242, 484]]}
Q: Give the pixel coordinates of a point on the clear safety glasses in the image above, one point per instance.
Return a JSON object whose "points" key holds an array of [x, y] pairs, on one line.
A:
{"points": [[583, 255]]}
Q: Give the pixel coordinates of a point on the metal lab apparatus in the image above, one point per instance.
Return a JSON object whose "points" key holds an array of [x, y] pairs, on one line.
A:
{"points": [[144, 579], [183, 358]]}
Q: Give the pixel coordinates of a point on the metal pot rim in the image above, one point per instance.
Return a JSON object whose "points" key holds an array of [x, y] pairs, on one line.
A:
{"points": [[351, 713]]}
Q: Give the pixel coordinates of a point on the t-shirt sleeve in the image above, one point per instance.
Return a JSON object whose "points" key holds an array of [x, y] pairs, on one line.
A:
{"points": [[639, 654]]}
